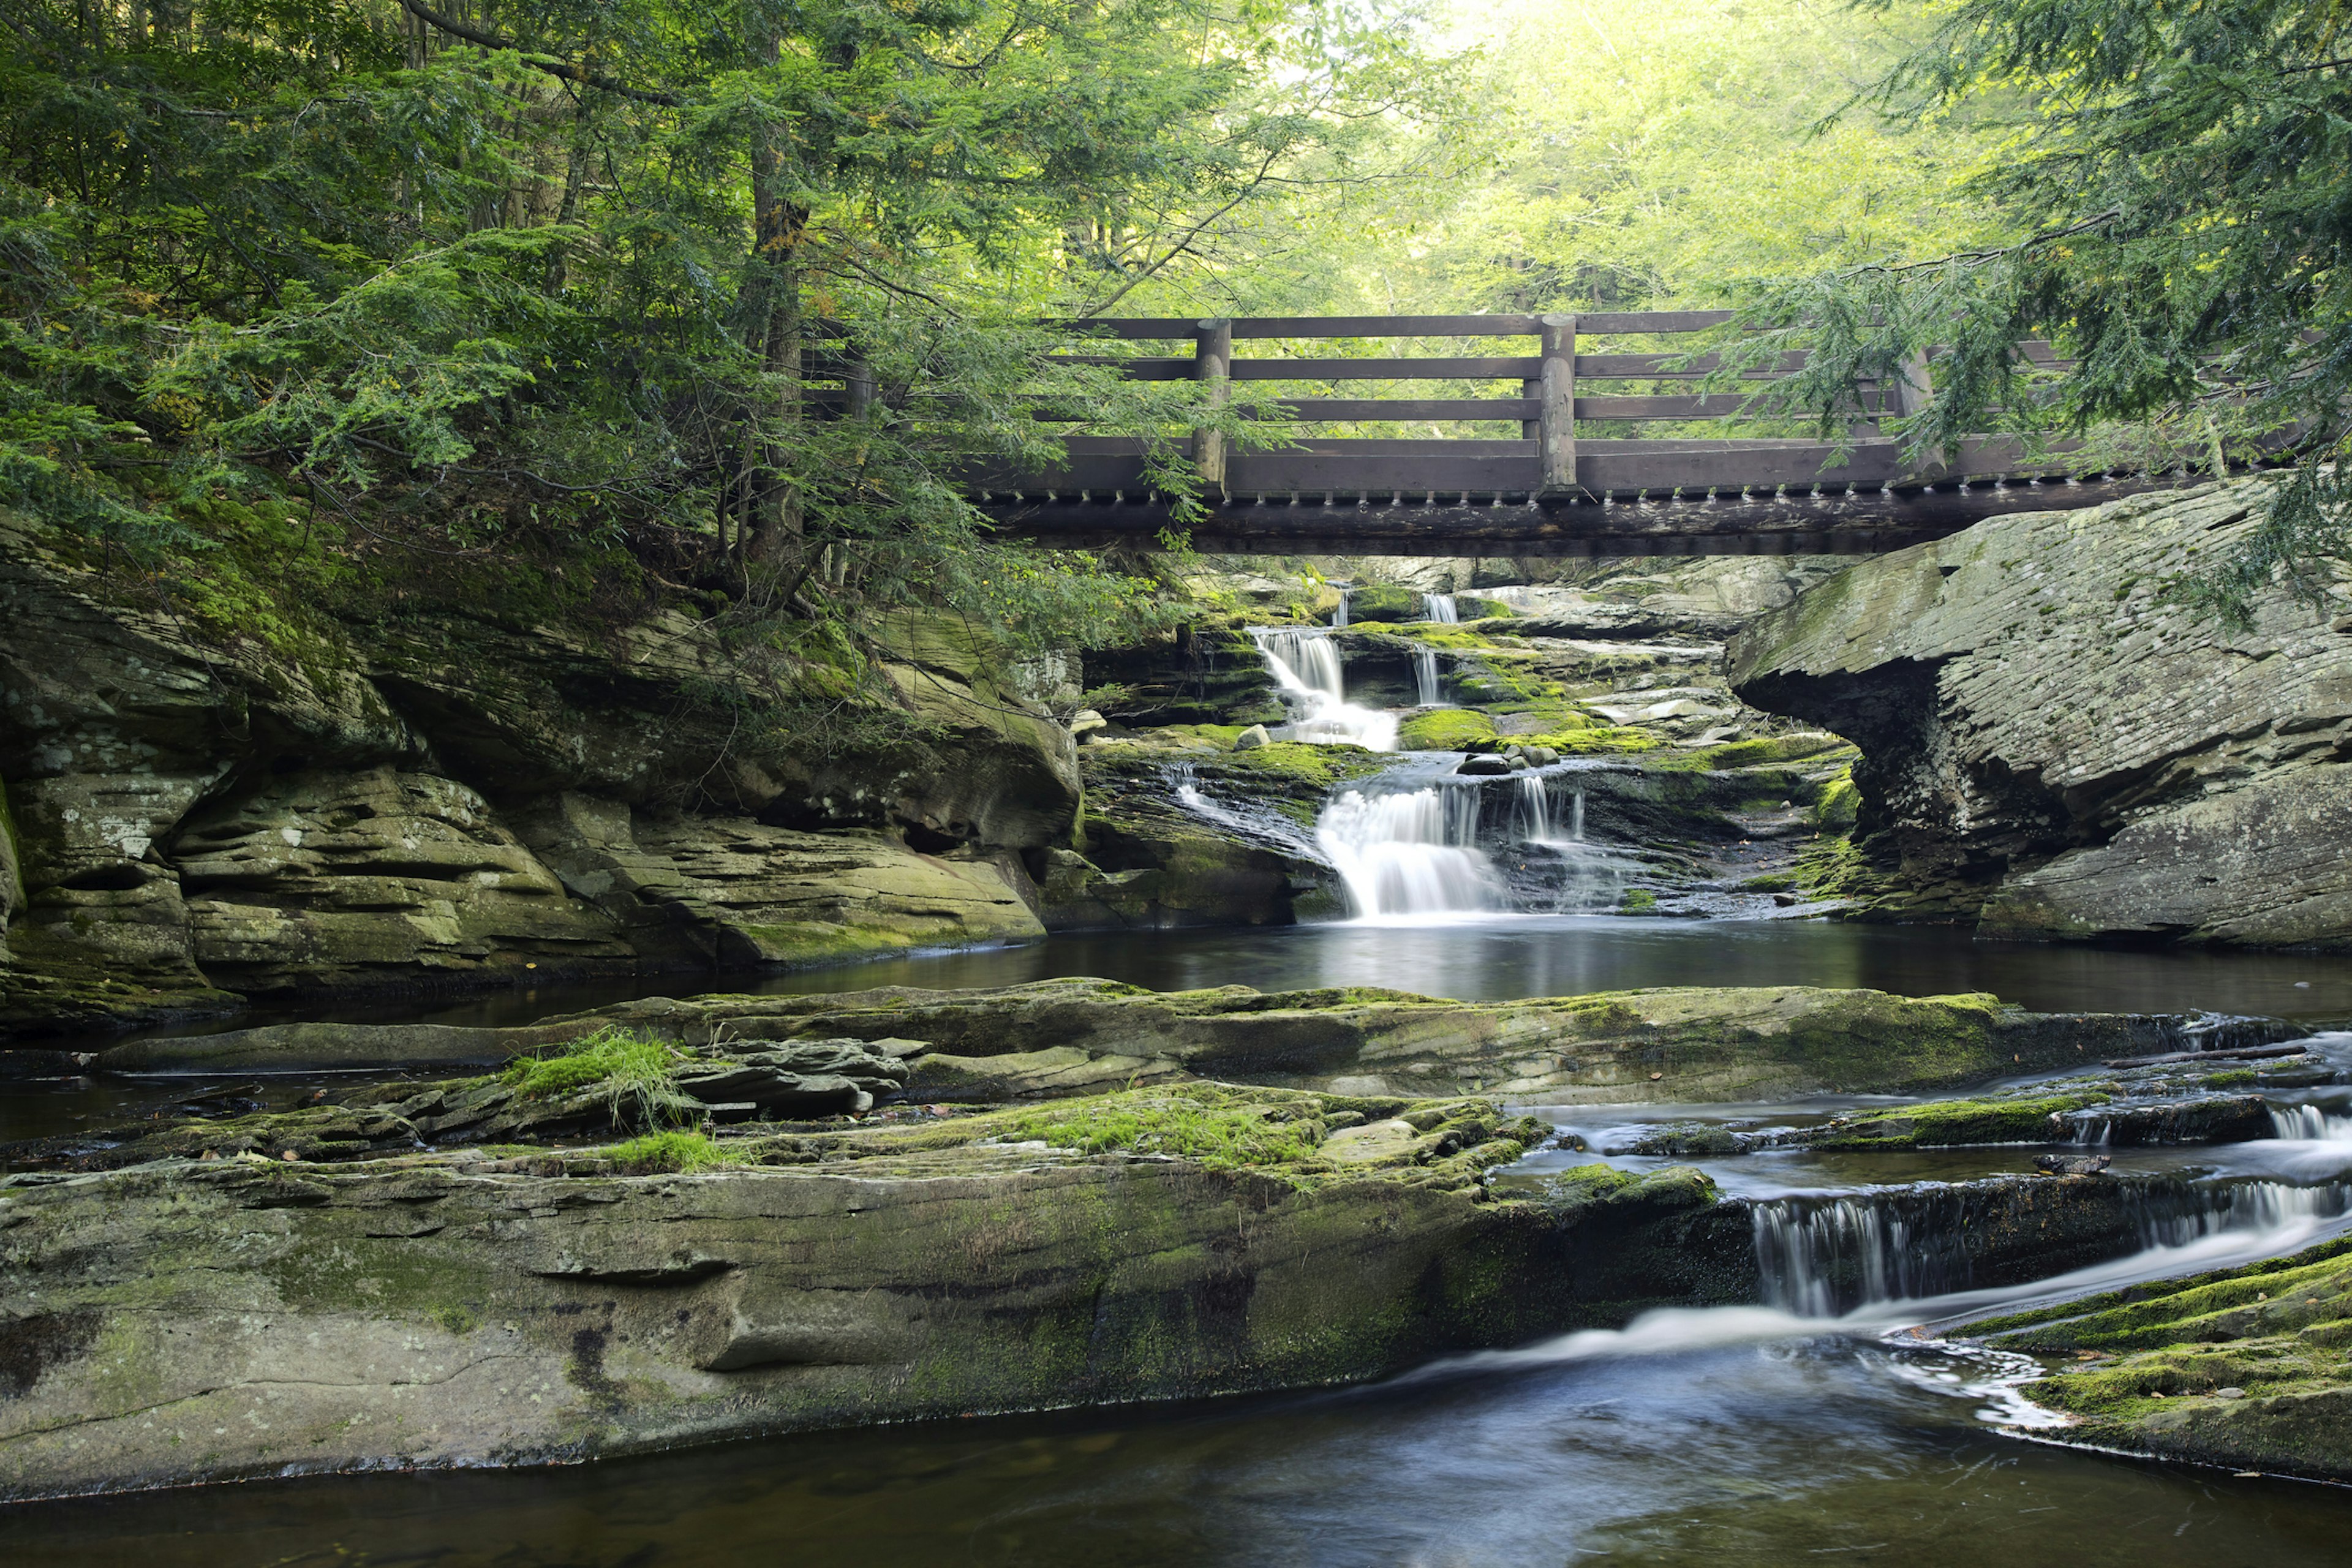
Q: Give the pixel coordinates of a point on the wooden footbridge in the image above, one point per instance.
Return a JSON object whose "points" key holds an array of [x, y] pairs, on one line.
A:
{"points": [[1561, 486]]}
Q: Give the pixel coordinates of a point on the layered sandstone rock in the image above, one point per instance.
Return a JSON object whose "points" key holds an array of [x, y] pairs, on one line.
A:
{"points": [[440, 798], [2053, 745]]}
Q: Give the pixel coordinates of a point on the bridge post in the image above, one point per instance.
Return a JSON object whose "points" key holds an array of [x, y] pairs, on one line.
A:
{"points": [[1212, 363], [1556, 442]]}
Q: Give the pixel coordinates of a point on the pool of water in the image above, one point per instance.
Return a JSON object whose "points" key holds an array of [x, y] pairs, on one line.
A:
{"points": [[1491, 958], [1793, 1450]]}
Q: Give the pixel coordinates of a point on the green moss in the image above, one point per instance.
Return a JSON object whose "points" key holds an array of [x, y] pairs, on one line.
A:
{"points": [[1200, 1123], [1638, 901], [1447, 730], [1955, 1122], [1595, 739], [1297, 762], [1383, 602], [1839, 805], [2242, 1078], [1761, 751], [1835, 868], [669, 1154]]}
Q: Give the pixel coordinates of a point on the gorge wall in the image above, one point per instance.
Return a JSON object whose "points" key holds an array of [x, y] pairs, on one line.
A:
{"points": [[2055, 748], [433, 798]]}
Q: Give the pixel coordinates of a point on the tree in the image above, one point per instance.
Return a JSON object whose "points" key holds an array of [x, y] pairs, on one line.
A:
{"points": [[726, 293], [2174, 182]]}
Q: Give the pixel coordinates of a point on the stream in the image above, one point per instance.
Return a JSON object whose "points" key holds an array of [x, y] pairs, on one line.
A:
{"points": [[1830, 1421]]}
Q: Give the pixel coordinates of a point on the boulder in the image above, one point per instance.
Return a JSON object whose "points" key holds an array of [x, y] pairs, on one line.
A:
{"points": [[2052, 746], [1490, 766], [1249, 739], [319, 879]]}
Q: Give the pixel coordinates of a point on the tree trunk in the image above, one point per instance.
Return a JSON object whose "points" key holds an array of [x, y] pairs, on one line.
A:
{"points": [[777, 224]]}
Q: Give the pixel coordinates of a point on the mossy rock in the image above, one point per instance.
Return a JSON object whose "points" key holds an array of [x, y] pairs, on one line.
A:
{"points": [[1952, 1124], [1840, 804], [1471, 608], [1383, 602], [1447, 730]]}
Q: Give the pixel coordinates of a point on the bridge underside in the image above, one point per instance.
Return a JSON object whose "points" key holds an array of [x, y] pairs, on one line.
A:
{"points": [[1760, 522]]}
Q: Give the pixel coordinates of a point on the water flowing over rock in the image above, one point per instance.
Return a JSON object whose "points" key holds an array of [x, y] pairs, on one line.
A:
{"points": [[2054, 748]]}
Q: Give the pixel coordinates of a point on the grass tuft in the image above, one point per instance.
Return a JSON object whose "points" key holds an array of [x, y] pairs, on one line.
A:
{"points": [[639, 1076], [669, 1153]]}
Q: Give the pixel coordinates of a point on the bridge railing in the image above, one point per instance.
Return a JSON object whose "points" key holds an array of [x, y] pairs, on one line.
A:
{"points": [[1575, 376]]}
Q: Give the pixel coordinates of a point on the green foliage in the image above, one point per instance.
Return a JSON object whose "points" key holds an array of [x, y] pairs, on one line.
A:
{"points": [[638, 1077], [1198, 1122], [2171, 185], [669, 1154], [1638, 901], [449, 302]]}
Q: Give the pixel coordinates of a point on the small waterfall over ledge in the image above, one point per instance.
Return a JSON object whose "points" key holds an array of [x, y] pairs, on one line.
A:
{"points": [[1827, 1257], [1306, 669], [1410, 852], [1439, 607], [1424, 840]]}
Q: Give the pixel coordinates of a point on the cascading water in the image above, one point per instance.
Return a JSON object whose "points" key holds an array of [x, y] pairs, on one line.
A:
{"points": [[1425, 677], [1823, 1258], [1439, 607], [2311, 1123], [1339, 615], [1410, 852], [1306, 669]]}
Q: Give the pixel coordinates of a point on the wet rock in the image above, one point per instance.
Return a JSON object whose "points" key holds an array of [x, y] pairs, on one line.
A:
{"points": [[1253, 738], [1485, 767], [2052, 748], [2242, 1368], [2071, 1165], [2217, 1119], [449, 1309]]}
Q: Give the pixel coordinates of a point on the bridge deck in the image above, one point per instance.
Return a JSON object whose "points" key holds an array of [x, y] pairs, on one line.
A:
{"points": [[1559, 486]]}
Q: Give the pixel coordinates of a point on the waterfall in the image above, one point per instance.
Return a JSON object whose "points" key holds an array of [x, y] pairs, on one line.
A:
{"points": [[1425, 676], [1819, 1257], [1531, 809], [2311, 1123], [1339, 615], [1410, 852], [1306, 669], [1439, 607], [1576, 817]]}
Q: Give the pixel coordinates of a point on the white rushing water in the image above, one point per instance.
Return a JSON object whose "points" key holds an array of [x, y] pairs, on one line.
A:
{"points": [[1339, 615], [2222, 1226], [1306, 669], [1425, 677], [1410, 852], [1439, 607], [2309, 1123], [1824, 1257], [1409, 845]]}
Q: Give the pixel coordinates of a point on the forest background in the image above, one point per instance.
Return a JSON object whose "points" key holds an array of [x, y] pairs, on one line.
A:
{"points": [[563, 310]]}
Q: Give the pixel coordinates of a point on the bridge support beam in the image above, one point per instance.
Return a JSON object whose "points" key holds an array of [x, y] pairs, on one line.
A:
{"points": [[1212, 367], [1556, 409]]}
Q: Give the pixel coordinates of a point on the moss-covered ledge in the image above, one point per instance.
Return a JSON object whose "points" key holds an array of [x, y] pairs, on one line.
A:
{"points": [[185, 1320], [2245, 1368]]}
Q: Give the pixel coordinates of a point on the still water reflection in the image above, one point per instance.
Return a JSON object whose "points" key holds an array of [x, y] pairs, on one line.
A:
{"points": [[1501, 957]]}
